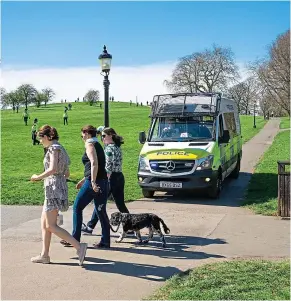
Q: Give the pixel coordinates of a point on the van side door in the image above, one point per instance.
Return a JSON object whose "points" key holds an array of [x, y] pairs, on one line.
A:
{"points": [[234, 142], [223, 148]]}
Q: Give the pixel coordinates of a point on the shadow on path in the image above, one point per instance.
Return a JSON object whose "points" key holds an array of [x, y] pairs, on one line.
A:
{"points": [[232, 194], [144, 271], [176, 247]]}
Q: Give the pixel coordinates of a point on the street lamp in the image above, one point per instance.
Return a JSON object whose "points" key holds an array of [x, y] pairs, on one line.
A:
{"points": [[105, 61], [254, 115]]}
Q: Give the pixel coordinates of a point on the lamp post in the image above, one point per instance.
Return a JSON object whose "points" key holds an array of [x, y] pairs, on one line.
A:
{"points": [[105, 61], [254, 115]]}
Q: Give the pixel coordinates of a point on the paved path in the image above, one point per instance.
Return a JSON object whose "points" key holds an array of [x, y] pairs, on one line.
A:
{"points": [[202, 231]]}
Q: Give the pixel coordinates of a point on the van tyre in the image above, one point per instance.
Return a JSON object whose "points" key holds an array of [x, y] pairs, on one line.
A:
{"points": [[235, 173], [148, 193], [214, 191]]}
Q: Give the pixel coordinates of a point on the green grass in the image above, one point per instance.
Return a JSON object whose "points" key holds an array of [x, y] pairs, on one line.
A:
{"points": [[263, 188], [20, 159], [232, 280], [247, 126], [285, 123]]}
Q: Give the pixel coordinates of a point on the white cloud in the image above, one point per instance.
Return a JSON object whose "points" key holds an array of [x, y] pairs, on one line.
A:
{"points": [[69, 83], [125, 82]]}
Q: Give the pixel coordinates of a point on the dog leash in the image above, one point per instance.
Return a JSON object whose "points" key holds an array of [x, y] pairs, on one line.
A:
{"points": [[113, 229]]}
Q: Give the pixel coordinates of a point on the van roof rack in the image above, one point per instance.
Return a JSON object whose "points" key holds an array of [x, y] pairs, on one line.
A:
{"points": [[185, 104]]}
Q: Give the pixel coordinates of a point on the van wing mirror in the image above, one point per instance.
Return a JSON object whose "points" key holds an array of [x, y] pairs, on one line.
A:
{"points": [[142, 137], [225, 137]]}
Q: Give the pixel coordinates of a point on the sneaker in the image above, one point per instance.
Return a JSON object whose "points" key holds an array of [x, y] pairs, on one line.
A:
{"points": [[40, 259], [82, 253], [85, 229]]}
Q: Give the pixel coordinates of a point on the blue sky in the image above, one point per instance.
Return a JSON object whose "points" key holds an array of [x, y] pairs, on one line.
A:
{"points": [[57, 44], [71, 34]]}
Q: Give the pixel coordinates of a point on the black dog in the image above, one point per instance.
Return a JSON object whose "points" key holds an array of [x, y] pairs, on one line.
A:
{"points": [[136, 222]]}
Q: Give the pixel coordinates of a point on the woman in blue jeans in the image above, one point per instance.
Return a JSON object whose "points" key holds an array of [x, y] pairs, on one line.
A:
{"points": [[94, 186], [113, 155]]}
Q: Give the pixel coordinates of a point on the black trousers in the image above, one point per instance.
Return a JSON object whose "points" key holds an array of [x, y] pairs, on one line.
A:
{"points": [[116, 188], [65, 120], [33, 137]]}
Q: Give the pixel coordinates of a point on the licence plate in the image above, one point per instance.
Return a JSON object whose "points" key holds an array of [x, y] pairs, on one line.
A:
{"points": [[170, 185]]}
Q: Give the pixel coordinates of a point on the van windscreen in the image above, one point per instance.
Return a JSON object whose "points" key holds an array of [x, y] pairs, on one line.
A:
{"points": [[182, 129]]}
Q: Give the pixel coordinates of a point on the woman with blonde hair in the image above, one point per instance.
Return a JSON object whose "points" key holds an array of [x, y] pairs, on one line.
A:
{"points": [[56, 164]]}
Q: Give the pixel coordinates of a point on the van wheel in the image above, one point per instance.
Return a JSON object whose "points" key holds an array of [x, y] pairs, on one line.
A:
{"points": [[214, 191], [235, 173], [148, 193]]}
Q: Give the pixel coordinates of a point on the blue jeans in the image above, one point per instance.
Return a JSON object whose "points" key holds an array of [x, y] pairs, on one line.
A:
{"points": [[84, 197], [116, 187]]}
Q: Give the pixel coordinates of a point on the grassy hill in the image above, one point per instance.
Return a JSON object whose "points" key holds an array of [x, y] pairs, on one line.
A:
{"points": [[21, 159], [262, 194]]}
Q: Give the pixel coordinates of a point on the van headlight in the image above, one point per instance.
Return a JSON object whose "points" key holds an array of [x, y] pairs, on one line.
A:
{"points": [[143, 164], [205, 163]]}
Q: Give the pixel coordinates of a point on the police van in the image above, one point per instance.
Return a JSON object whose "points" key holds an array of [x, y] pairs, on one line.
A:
{"points": [[194, 142]]}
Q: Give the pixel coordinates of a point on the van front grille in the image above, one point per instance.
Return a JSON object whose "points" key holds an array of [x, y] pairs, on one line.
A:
{"points": [[172, 166]]}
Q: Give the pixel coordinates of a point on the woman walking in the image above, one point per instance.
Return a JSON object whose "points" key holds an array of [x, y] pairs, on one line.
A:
{"points": [[92, 186], [56, 164], [115, 176]]}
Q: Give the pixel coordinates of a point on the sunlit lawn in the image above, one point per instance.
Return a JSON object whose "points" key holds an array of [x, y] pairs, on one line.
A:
{"points": [[20, 159]]}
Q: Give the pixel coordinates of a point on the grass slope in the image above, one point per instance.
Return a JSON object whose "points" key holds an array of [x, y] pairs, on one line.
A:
{"points": [[20, 159], [233, 280], [263, 188], [247, 129], [285, 123]]}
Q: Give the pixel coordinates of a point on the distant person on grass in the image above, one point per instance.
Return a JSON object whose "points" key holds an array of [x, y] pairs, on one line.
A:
{"points": [[115, 176], [34, 132], [92, 187], [56, 163], [25, 116], [65, 116]]}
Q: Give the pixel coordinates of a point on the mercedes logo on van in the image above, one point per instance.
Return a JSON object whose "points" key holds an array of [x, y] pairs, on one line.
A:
{"points": [[170, 165]]}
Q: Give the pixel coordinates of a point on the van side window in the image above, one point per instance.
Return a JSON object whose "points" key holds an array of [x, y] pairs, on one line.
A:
{"points": [[230, 122], [220, 133]]}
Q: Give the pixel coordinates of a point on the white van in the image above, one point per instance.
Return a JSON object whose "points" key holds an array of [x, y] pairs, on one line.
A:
{"points": [[194, 142]]}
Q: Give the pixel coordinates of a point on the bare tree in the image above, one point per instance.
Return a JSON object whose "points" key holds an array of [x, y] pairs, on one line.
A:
{"points": [[245, 94], [238, 92], [274, 71], [91, 96], [27, 93], [266, 105], [49, 93], [208, 71], [184, 76]]}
